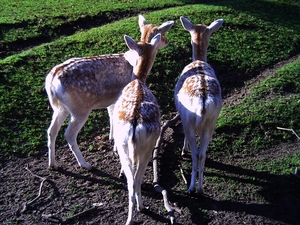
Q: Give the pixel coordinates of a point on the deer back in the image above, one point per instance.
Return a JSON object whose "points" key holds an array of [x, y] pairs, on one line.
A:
{"points": [[95, 81]]}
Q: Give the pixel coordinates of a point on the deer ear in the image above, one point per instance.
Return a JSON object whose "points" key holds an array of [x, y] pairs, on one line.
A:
{"points": [[215, 26], [155, 41], [142, 21], [131, 44], [165, 26], [132, 55], [187, 25]]}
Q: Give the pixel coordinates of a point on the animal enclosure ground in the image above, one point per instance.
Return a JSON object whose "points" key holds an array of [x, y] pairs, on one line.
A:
{"points": [[72, 190]]}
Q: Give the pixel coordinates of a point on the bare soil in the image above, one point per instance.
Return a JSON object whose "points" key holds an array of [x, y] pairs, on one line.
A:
{"points": [[72, 195]]}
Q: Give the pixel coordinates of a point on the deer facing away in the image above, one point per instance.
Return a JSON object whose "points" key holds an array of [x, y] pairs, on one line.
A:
{"points": [[136, 121], [80, 85], [198, 98]]}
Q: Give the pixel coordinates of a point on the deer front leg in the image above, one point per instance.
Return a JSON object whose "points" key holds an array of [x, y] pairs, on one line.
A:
{"points": [[110, 110]]}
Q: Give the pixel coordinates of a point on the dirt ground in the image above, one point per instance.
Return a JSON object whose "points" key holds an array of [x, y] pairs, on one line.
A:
{"points": [[72, 195]]}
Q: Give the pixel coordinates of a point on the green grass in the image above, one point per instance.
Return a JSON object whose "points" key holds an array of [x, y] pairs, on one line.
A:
{"points": [[253, 123], [18, 11], [33, 20], [255, 34], [282, 166]]}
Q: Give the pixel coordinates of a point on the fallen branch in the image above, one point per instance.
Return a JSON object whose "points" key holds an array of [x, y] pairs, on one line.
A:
{"points": [[281, 128], [156, 185], [182, 174], [288, 129], [54, 218], [26, 204]]}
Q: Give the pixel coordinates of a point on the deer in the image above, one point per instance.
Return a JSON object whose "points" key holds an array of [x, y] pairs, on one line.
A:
{"points": [[82, 84], [136, 120], [198, 98]]}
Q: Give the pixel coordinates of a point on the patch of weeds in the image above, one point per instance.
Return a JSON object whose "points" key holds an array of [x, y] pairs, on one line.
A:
{"points": [[282, 166], [75, 208], [112, 186], [29, 197]]}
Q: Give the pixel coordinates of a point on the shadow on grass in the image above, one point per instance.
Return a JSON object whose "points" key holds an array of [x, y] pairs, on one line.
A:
{"points": [[48, 33], [280, 194], [263, 197]]}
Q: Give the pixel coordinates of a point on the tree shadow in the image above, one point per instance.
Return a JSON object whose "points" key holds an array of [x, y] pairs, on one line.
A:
{"points": [[275, 14], [276, 197], [99, 177], [280, 194], [49, 33]]}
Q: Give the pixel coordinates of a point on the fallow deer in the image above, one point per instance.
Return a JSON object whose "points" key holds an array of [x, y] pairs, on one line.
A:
{"points": [[80, 85], [136, 121], [198, 98]]}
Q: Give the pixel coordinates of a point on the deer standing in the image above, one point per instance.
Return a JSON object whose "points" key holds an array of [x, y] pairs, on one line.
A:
{"points": [[79, 85], [136, 121], [198, 98]]}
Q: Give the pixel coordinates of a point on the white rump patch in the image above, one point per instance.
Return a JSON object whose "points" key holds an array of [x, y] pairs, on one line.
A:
{"points": [[131, 56]]}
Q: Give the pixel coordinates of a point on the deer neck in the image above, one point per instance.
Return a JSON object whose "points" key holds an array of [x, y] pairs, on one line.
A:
{"points": [[142, 69], [200, 42], [199, 51], [149, 31]]}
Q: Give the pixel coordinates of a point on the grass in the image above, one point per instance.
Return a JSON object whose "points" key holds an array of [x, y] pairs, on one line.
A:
{"points": [[29, 22], [272, 103], [281, 166], [255, 34]]}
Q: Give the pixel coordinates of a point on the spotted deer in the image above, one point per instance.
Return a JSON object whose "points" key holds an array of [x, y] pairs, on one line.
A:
{"points": [[198, 98], [80, 85], [136, 121]]}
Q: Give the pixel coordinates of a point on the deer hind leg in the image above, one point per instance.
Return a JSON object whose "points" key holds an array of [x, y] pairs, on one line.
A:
{"points": [[128, 170], [76, 123], [142, 162], [204, 141], [58, 117], [191, 141]]}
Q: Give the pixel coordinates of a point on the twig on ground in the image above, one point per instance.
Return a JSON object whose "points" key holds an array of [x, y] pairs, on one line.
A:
{"points": [[156, 185], [67, 220], [288, 129], [54, 218], [26, 204], [182, 174]]}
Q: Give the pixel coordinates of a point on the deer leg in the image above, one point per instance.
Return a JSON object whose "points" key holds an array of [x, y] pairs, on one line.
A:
{"points": [[143, 160], [71, 133], [204, 141], [128, 170], [191, 140], [58, 118], [110, 110]]}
